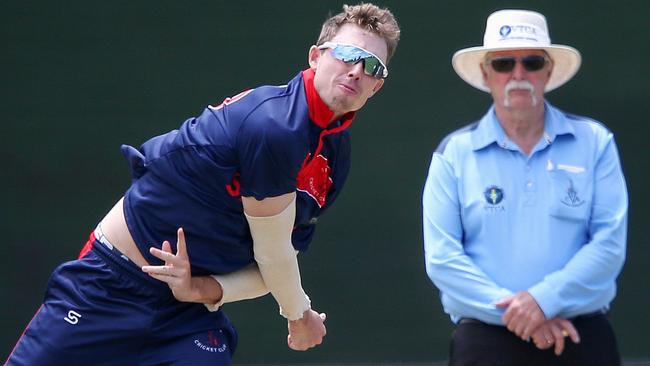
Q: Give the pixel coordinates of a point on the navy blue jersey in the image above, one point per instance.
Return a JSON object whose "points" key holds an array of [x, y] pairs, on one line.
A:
{"points": [[264, 142]]}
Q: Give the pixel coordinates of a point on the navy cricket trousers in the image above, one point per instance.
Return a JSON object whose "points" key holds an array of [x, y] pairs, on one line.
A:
{"points": [[103, 310], [478, 344]]}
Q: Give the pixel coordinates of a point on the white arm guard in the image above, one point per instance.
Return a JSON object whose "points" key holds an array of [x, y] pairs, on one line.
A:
{"points": [[277, 260], [246, 283]]}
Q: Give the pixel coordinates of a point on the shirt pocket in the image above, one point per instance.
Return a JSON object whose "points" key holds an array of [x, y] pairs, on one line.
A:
{"points": [[570, 195]]}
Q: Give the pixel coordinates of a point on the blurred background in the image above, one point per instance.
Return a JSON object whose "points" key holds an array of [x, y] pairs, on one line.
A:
{"points": [[80, 78]]}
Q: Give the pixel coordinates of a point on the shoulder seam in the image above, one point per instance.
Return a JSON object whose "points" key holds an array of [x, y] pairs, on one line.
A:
{"points": [[463, 130]]}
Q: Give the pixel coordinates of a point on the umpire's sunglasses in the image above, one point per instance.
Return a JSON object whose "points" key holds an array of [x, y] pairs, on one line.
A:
{"points": [[372, 65], [507, 64]]}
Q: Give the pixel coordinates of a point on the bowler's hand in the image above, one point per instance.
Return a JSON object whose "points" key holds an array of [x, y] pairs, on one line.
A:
{"points": [[306, 332], [177, 273], [523, 315], [552, 332]]}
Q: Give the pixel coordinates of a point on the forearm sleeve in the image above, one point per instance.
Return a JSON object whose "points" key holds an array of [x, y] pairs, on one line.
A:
{"points": [[277, 261], [244, 284]]}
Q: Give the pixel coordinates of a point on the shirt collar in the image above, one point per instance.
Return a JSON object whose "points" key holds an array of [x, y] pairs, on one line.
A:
{"points": [[556, 122], [489, 129], [319, 112]]}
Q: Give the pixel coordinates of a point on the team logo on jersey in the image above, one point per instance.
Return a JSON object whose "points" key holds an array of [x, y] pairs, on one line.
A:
{"points": [[572, 199], [493, 195], [314, 178], [212, 343]]}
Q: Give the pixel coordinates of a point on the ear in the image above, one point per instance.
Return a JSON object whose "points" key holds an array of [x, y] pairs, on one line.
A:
{"points": [[314, 57], [379, 85], [483, 72], [550, 68]]}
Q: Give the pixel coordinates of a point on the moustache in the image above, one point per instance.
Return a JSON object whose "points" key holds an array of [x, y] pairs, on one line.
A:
{"points": [[519, 84]]}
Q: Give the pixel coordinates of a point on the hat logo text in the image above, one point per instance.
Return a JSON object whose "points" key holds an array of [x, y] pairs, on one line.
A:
{"points": [[506, 30]]}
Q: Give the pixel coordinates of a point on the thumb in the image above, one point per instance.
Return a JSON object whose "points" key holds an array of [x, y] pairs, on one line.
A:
{"points": [[505, 302], [323, 316]]}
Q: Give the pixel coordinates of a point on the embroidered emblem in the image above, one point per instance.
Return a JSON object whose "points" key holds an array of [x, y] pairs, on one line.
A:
{"points": [[314, 178], [212, 340], [212, 344], [493, 195], [572, 199]]}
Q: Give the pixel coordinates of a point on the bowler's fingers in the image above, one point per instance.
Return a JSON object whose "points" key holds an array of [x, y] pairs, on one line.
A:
{"points": [[162, 277], [163, 271], [181, 245], [165, 274], [299, 347], [164, 253]]}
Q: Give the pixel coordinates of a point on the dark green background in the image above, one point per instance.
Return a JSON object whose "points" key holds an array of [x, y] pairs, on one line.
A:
{"points": [[79, 78]]}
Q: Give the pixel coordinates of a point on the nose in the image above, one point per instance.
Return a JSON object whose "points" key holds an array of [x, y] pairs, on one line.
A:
{"points": [[519, 71], [355, 71]]}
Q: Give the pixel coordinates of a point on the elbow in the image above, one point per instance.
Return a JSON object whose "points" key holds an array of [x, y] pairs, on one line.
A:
{"points": [[433, 267]]}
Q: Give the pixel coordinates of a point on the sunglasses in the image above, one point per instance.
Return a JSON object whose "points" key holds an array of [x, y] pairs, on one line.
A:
{"points": [[372, 65], [507, 64]]}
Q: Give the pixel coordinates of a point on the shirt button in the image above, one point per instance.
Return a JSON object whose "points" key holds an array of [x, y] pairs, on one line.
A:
{"points": [[530, 184]]}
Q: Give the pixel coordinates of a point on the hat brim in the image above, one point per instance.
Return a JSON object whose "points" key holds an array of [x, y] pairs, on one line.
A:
{"points": [[566, 62]]}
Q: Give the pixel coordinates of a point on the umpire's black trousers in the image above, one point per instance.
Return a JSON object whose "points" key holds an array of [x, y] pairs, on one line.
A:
{"points": [[478, 344]]}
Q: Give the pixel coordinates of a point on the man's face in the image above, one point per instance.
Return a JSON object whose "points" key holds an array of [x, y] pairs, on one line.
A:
{"points": [[518, 88], [345, 87]]}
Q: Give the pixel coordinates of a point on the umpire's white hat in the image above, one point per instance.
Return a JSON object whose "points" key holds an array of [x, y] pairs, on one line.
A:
{"points": [[515, 30]]}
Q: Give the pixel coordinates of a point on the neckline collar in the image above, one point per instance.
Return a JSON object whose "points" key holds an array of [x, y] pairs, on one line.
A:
{"points": [[489, 129], [319, 112]]}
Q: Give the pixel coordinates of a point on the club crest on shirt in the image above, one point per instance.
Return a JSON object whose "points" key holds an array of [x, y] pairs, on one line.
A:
{"points": [[314, 178], [571, 198], [493, 196]]}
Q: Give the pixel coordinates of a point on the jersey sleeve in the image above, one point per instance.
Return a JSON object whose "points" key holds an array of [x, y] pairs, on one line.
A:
{"points": [[270, 157]]}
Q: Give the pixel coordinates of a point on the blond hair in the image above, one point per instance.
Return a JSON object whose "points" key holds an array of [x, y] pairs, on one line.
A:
{"points": [[367, 16]]}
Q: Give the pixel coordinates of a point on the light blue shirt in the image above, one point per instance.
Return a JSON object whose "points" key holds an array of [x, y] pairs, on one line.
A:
{"points": [[497, 222]]}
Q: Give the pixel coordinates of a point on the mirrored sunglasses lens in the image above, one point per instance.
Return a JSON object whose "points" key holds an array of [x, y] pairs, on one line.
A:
{"points": [[348, 54], [534, 63], [503, 64], [372, 67]]}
